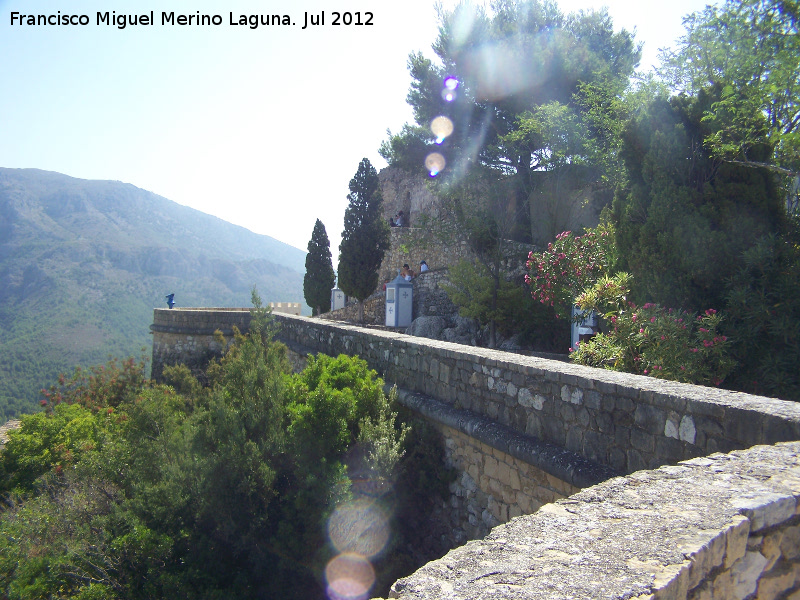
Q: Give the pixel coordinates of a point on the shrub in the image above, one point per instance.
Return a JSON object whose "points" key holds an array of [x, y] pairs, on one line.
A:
{"points": [[568, 266], [653, 340]]}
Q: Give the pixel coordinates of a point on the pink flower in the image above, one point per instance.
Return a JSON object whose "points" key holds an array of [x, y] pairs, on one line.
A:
{"points": [[641, 331], [645, 371], [652, 319]]}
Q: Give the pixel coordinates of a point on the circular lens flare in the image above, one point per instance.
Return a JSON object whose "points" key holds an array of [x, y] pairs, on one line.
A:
{"points": [[441, 127], [451, 83], [448, 95], [350, 577], [359, 527], [435, 163]]}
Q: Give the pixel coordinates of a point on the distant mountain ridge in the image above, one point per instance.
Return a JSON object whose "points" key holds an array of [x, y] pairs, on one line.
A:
{"points": [[83, 263]]}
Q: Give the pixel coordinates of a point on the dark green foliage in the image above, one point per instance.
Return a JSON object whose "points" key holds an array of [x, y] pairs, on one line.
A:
{"points": [[516, 313], [748, 48], [125, 489], [407, 150], [763, 309], [684, 218], [365, 238], [319, 277]]}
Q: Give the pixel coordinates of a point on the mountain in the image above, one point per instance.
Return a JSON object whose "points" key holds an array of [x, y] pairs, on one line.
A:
{"points": [[83, 264]]}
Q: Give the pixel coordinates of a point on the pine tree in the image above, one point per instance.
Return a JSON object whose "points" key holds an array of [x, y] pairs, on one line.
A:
{"points": [[319, 277], [365, 238]]}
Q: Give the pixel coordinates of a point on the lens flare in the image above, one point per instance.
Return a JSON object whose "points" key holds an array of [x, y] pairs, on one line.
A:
{"points": [[349, 577], [435, 163], [441, 128], [360, 527], [451, 83], [448, 95]]}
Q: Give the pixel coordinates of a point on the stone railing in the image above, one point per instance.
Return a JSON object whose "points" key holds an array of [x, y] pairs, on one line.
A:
{"points": [[186, 336], [725, 526], [626, 422]]}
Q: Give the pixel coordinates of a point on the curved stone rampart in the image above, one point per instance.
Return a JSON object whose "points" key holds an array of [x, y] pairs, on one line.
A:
{"points": [[721, 527], [626, 422]]}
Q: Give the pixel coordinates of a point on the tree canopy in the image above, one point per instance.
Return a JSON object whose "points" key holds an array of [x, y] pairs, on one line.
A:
{"points": [[750, 49], [126, 489], [365, 238], [319, 277]]}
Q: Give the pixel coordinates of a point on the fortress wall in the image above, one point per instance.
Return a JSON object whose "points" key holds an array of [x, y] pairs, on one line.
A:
{"points": [[526, 433], [723, 527], [186, 336], [623, 421]]}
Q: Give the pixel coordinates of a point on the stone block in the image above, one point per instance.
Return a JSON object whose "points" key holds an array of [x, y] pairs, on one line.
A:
{"points": [[790, 544], [514, 480], [669, 450], [650, 419], [533, 426], [604, 422], [592, 399], [773, 585], [686, 430], [608, 403], [642, 440], [746, 573], [574, 440], [490, 467], [594, 446], [766, 509]]}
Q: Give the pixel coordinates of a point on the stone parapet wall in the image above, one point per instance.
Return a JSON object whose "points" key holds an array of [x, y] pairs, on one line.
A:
{"points": [[501, 473], [722, 527], [374, 311], [411, 245], [493, 486], [430, 298], [626, 422], [186, 336]]}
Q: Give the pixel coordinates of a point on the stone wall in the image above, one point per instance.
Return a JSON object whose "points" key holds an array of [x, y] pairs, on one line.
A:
{"points": [[722, 527], [430, 298], [186, 336], [412, 246], [374, 311], [625, 422], [501, 474], [406, 191], [493, 486]]}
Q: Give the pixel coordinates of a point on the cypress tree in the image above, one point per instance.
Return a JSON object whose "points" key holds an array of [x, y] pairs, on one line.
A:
{"points": [[365, 238], [319, 277]]}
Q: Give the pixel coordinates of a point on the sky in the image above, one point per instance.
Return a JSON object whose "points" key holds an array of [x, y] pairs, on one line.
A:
{"points": [[261, 127]]}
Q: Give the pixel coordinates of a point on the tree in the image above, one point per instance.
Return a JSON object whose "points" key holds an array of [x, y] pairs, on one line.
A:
{"points": [[319, 278], [365, 238], [534, 97], [750, 49], [684, 217]]}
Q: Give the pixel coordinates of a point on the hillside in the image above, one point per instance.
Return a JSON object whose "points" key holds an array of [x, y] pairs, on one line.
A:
{"points": [[83, 264]]}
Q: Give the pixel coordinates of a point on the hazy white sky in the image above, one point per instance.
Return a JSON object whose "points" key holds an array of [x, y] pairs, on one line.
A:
{"points": [[261, 127]]}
